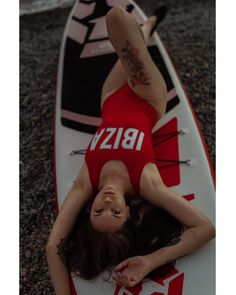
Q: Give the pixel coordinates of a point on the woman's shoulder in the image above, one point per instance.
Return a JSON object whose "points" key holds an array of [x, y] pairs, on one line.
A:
{"points": [[150, 173], [150, 179], [83, 180]]}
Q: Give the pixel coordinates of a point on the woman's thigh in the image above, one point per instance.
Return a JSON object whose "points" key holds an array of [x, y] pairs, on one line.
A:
{"points": [[143, 76], [115, 80]]}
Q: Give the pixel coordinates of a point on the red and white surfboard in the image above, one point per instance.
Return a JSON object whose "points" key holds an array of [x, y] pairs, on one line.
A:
{"points": [[86, 57]]}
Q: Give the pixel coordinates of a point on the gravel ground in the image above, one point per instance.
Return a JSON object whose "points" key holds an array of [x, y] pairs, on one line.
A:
{"points": [[189, 34]]}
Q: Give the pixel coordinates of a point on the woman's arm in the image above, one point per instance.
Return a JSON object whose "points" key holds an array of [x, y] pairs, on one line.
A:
{"points": [[199, 229], [77, 197]]}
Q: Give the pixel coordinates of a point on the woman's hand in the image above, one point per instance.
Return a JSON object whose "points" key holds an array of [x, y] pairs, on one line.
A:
{"points": [[132, 270]]}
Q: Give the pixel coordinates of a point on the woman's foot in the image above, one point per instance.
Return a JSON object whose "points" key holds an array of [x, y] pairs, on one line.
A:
{"points": [[158, 16], [149, 26], [151, 23]]}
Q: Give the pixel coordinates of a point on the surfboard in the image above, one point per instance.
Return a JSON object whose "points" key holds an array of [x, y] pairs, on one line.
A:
{"points": [[85, 59]]}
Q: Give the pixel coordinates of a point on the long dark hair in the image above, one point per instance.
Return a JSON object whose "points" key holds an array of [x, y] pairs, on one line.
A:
{"points": [[88, 252]]}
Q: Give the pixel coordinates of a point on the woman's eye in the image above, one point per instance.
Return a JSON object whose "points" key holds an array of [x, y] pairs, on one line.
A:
{"points": [[98, 210], [116, 211]]}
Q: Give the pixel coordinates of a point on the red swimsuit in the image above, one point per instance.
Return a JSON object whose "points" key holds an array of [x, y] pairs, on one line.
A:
{"points": [[124, 135]]}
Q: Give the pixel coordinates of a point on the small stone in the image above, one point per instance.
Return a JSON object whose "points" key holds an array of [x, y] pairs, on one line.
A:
{"points": [[33, 211], [27, 254]]}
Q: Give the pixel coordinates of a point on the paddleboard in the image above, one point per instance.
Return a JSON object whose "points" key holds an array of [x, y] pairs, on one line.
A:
{"points": [[86, 57]]}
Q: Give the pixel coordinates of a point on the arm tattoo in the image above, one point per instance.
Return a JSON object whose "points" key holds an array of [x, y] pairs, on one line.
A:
{"points": [[131, 55]]}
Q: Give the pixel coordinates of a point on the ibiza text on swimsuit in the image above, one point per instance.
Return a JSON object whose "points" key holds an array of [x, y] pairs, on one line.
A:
{"points": [[114, 138]]}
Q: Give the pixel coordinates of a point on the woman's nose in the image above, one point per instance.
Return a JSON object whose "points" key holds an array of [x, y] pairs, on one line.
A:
{"points": [[108, 199]]}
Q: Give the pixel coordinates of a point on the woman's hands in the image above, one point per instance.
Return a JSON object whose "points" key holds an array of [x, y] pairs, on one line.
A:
{"points": [[132, 270]]}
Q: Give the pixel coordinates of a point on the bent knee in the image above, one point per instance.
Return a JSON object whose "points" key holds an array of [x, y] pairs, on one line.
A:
{"points": [[115, 14]]}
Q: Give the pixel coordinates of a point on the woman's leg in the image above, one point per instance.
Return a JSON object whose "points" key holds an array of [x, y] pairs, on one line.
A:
{"points": [[117, 76], [135, 62], [115, 80]]}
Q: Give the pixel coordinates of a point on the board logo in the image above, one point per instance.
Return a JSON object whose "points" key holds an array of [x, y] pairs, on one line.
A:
{"points": [[171, 284], [89, 19]]}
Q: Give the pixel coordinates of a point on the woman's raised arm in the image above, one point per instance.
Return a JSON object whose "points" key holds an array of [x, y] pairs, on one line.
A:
{"points": [[77, 197], [199, 229]]}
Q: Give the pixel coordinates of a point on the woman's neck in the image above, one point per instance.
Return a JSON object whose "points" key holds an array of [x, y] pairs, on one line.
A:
{"points": [[115, 175]]}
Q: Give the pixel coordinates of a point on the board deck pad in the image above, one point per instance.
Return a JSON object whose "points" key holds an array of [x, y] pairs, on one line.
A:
{"points": [[86, 58]]}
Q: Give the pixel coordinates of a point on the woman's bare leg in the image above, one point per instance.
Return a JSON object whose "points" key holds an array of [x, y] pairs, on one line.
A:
{"points": [[117, 76], [135, 62]]}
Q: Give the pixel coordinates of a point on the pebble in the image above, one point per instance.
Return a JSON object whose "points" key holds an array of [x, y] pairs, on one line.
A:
{"points": [[27, 254]]}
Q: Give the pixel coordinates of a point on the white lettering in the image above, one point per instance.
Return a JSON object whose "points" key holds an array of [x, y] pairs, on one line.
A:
{"points": [[127, 138], [118, 137], [140, 141], [104, 144], [96, 139], [130, 136]]}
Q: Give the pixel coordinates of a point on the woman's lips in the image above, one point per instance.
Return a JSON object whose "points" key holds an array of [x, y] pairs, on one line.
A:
{"points": [[109, 193]]}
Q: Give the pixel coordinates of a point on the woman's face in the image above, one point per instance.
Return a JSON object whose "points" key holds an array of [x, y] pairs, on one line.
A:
{"points": [[109, 210]]}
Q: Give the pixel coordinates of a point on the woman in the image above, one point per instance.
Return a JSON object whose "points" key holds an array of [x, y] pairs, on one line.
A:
{"points": [[119, 162]]}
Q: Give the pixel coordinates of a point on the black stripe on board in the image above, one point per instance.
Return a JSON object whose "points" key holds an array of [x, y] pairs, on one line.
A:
{"points": [[94, 40], [130, 8], [159, 62], [172, 103], [87, 2], [83, 80]]}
